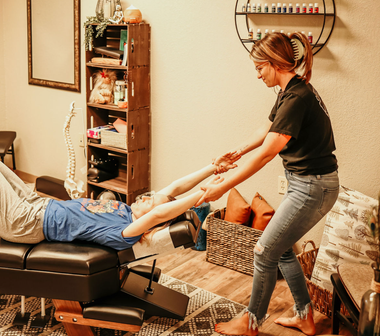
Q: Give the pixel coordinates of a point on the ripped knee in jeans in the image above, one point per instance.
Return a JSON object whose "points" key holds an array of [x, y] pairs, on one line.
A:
{"points": [[259, 249]]}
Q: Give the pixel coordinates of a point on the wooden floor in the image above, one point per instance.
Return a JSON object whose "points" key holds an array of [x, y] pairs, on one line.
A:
{"points": [[191, 266]]}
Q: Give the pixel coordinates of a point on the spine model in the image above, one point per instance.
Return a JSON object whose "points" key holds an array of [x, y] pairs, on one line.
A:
{"points": [[73, 186]]}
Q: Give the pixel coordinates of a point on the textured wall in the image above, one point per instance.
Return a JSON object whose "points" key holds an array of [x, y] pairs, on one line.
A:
{"points": [[2, 64], [206, 98]]}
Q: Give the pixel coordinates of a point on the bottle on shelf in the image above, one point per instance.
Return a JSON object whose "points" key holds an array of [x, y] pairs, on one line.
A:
{"points": [[316, 8], [290, 8], [298, 10], [279, 7], [243, 9], [284, 8], [273, 8], [258, 8], [248, 7], [253, 8], [250, 33], [266, 32], [304, 8], [310, 8], [266, 8], [258, 35], [310, 37]]}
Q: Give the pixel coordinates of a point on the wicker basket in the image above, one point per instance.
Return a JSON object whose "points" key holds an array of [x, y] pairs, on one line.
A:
{"points": [[321, 298], [230, 245]]}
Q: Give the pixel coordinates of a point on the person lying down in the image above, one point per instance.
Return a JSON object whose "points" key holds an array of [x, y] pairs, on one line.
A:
{"points": [[26, 217]]}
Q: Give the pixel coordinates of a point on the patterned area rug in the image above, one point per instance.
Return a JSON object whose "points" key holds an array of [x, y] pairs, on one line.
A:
{"points": [[204, 311]]}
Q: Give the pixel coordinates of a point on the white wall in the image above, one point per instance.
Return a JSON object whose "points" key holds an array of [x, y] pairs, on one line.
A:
{"points": [[2, 64], [206, 98]]}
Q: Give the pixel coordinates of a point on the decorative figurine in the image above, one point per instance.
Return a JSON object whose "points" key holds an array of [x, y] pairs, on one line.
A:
{"points": [[118, 16]]}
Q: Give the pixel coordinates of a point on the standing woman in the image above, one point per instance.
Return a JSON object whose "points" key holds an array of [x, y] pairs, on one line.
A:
{"points": [[299, 130]]}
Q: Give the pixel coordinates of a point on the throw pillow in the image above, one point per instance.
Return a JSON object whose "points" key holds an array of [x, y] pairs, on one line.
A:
{"points": [[238, 211], [345, 238], [262, 211]]}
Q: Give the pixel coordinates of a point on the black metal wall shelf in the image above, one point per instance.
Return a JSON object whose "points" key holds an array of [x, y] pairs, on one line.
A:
{"points": [[327, 16]]}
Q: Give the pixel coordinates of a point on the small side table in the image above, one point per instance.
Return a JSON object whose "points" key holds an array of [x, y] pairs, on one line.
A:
{"points": [[350, 284]]}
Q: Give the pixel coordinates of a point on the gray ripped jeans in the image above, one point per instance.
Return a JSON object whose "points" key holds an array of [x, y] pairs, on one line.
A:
{"points": [[21, 210]]}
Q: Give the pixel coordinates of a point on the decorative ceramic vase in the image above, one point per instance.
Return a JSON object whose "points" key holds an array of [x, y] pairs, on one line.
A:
{"points": [[369, 321], [132, 15], [105, 9]]}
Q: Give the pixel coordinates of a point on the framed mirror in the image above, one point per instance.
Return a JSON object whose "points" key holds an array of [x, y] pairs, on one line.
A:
{"points": [[54, 43]]}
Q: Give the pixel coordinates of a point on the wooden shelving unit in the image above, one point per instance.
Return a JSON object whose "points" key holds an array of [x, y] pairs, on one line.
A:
{"points": [[134, 160]]}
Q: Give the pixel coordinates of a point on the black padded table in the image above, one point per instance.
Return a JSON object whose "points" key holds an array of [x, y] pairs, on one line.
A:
{"points": [[106, 285]]}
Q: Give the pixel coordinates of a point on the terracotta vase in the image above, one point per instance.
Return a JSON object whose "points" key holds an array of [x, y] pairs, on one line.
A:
{"points": [[132, 15]]}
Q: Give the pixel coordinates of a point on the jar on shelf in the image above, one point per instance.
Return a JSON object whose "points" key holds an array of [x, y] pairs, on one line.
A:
{"points": [[119, 91]]}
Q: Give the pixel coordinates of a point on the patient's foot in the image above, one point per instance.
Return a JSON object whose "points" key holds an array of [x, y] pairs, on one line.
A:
{"points": [[236, 327], [306, 326]]}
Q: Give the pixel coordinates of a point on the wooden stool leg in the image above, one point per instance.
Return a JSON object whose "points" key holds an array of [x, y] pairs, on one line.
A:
{"points": [[72, 307]]}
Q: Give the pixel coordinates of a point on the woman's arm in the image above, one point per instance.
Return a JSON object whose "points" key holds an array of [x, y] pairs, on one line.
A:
{"points": [[256, 140], [186, 183], [272, 145]]}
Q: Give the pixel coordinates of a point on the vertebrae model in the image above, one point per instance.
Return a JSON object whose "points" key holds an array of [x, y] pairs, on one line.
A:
{"points": [[74, 186]]}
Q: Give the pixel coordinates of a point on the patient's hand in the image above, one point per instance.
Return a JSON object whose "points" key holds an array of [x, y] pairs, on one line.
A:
{"points": [[212, 190], [226, 162]]}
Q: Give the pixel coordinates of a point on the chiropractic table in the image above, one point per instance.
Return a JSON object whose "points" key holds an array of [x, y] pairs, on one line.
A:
{"points": [[94, 285]]}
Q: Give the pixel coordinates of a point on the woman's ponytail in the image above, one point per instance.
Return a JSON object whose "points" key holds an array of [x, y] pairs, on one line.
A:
{"points": [[306, 62]]}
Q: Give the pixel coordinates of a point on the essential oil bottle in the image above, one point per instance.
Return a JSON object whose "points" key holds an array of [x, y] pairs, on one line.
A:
{"points": [[304, 8], [273, 8], [250, 33], [311, 8], [248, 7], [243, 8], [253, 8], [266, 8], [310, 37], [298, 10], [290, 8], [279, 7], [284, 8], [316, 8], [258, 35], [258, 8]]}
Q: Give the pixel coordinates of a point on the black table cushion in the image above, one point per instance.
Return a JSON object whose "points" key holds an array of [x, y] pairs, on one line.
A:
{"points": [[74, 258], [115, 308], [12, 255]]}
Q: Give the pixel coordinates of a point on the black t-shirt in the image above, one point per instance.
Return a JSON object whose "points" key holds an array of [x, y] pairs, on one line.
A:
{"points": [[300, 112]]}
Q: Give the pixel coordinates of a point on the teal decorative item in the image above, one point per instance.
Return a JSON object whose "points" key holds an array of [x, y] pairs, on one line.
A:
{"points": [[202, 211]]}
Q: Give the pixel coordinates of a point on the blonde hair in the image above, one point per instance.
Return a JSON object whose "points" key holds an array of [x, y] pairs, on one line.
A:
{"points": [[277, 49]]}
